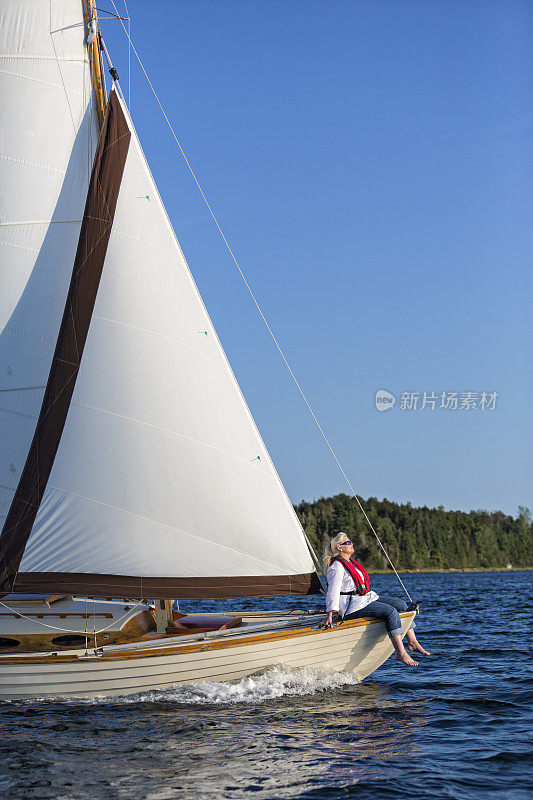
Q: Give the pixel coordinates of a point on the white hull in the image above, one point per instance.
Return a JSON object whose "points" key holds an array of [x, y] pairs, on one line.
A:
{"points": [[357, 646]]}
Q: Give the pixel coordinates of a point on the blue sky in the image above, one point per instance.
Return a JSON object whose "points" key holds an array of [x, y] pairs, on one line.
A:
{"points": [[371, 165]]}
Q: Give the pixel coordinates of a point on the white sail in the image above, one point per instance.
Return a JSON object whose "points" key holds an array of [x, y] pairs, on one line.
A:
{"points": [[160, 470], [48, 134]]}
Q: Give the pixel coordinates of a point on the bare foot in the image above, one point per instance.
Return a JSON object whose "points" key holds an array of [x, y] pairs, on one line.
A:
{"points": [[405, 658], [417, 648]]}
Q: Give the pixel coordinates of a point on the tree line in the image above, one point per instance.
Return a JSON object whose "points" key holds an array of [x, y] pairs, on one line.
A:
{"points": [[421, 538]]}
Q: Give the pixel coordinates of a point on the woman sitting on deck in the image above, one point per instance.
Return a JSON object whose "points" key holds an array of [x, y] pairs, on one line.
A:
{"points": [[349, 596]]}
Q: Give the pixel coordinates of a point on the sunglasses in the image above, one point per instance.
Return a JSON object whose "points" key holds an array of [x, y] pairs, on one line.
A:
{"points": [[348, 541]]}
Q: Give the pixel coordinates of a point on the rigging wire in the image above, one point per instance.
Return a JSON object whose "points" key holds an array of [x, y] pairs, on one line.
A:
{"points": [[256, 303], [66, 630], [129, 53]]}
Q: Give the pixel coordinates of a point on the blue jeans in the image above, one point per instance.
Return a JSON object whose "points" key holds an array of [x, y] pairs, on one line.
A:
{"points": [[386, 608]]}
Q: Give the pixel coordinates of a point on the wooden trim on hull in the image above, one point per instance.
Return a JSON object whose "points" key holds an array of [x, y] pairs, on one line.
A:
{"points": [[204, 646]]}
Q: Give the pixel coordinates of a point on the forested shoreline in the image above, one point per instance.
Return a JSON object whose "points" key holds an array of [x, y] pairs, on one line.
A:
{"points": [[422, 538]]}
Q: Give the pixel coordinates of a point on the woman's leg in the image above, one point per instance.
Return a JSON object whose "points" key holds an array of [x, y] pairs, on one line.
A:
{"points": [[396, 602], [389, 614], [401, 653], [381, 609], [412, 642]]}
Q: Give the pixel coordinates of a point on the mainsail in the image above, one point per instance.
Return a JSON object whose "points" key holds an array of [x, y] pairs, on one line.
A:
{"points": [[48, 136], [154, 481]]}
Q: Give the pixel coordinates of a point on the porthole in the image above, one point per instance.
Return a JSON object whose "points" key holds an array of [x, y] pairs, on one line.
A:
{"points": [[5, 642], [69, 641]]}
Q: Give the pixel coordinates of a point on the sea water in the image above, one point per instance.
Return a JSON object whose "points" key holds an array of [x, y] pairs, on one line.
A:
{"points": [[457, 726]]}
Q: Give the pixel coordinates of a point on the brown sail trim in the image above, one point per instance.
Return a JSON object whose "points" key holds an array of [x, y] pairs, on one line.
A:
{"points": [[96, 225], [126, 586]]}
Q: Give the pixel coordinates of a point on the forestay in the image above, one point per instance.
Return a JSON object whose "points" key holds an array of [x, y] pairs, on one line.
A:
{"points": [[161, 484]]}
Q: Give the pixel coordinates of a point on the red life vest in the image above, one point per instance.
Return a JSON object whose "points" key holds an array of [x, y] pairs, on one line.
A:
{"points": [[355, 570]]}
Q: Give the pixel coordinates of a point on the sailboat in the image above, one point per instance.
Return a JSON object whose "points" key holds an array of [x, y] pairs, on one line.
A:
{"points": [[131, 471]]}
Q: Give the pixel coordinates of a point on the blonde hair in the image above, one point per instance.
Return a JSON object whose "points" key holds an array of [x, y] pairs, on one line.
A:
{"points": [[331, 549]]}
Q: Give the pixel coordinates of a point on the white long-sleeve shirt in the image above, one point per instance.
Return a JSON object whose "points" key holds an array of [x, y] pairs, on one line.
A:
{"points": [[339, 580]]}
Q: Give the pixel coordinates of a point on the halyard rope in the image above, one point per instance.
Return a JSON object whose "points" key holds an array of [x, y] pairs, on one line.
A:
{"points": [[241, 273]]}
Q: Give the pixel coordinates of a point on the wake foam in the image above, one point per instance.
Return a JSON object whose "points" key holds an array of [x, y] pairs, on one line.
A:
{"points": [[268, 685]]}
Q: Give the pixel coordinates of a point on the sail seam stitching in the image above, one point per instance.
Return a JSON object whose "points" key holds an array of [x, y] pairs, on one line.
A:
{"points": [[147, 243], [18, 413], [164, 525], [23, 332], [34, 250], [69, 8], [162, 336], [48, 167], [20, 57], [22, 388], [40, 81], [39, 222], [172, 433]]}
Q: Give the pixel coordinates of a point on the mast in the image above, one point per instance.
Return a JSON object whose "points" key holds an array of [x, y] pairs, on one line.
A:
{"points": [[95, 54]]}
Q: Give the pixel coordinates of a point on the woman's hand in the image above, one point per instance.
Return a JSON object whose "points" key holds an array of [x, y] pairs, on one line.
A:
{"points": [[329, 621]]}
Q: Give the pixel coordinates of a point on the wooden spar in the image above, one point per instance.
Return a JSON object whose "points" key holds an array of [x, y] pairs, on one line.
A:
{"points": [[96, 61]]}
